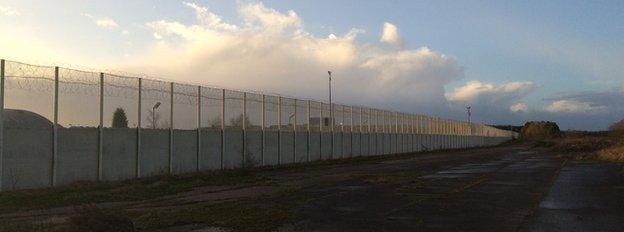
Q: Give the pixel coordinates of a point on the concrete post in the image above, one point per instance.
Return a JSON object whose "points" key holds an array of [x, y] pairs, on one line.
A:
{"points": [[101, 129], [138, 144], [244, 127], [351, 131], [55, 126], [308, 128], [294, 132], [171, 128], [222, 126], [279, 130], [1, 120], [198, 158], [262, 128]]}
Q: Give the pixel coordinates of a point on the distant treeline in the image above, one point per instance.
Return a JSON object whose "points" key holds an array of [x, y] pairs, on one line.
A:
{"points": [[508, 127]]}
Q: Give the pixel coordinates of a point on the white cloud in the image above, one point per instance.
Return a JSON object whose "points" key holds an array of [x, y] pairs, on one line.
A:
{"points": [[575, 107], [518, 108], [572, 106], [390, 35], [271, 51], [125, 32], [106, 22], [475, 91], [9, 11]]}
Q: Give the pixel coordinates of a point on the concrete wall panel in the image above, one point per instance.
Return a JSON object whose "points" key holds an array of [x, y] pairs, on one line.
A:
{"points": [[346, 145], [287, 147], [210, 156], [364, 144], [253, 148], [27, 159], [77, 155], [119, 154], [337, 149], [315, 146], [301, 147], [271, 147], [184, 151], [326, 145], [233, 152], [356, 145], [154, 152]]}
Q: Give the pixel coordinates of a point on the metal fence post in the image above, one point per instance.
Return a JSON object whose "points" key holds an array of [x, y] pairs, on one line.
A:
{"points": [[351, 131], [321, 121], [1, 120], [308, 129], [244, 125], [171, 129], [138, 147], [263, 128], [279, 130], [294, 133], [55, 126], [198, 158], [222, 126], [101, 129]]}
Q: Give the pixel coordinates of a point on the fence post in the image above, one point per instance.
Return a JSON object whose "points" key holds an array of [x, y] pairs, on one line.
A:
{"points": [[1, 120], [55, 126], [222, 126], [351, 131], [308, 128], [101, 129], [263, 127], [244, 125], [171, 129], [294, 132], [321, 121], [138, 148], [198, 159], [279, 130]]}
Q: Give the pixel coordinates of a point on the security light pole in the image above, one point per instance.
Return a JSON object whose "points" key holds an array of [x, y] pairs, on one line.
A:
{"points": [[154, 114], [469, 113], [331, 112]]}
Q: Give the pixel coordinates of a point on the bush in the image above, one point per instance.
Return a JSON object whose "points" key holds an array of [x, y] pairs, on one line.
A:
{"points": [[540, 130], [618, 126], [119, 119]]}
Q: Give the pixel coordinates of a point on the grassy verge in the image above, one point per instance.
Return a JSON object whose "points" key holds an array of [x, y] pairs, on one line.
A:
{"points": [[606, 146], [132, 190]]}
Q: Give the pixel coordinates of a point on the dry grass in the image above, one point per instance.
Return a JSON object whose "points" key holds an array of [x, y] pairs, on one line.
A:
{"points": [[607, 146]]}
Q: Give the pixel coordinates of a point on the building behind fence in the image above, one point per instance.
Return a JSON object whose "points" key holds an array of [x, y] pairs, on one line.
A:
{"points": [[57, 128]]}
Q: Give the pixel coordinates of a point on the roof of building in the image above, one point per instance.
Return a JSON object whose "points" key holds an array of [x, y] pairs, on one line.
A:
{"points": [[24, 119]]}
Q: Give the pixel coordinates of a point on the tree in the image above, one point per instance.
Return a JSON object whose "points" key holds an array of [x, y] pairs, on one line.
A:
{"points": [[119, 118], [238, 121], [618, 126]]}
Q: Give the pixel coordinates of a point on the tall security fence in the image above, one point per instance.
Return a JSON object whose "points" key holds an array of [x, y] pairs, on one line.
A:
{"points": [[62, 125]]}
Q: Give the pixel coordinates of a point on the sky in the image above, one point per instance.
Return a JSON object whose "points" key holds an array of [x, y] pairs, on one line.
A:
{"points": [[511, 61]]}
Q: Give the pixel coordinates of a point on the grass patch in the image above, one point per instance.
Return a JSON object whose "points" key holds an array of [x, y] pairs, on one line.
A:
{"points": [[238, 216], [132, 190], [392, 177]]}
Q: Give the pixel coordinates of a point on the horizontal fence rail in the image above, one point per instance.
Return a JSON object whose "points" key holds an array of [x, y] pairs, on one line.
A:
{"points": [[62, 125]]}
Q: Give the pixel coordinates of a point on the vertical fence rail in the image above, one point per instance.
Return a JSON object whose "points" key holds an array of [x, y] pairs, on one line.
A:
{"points": [[279, 130], [138, 143], [1, 121], [263, 129], [171, 106], [244, 125], [55, 127], [199, 138], [101, 129], [222, 127]]}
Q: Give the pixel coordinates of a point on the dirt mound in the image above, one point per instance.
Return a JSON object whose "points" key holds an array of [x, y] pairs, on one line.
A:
{"points": [[540, 130]]}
